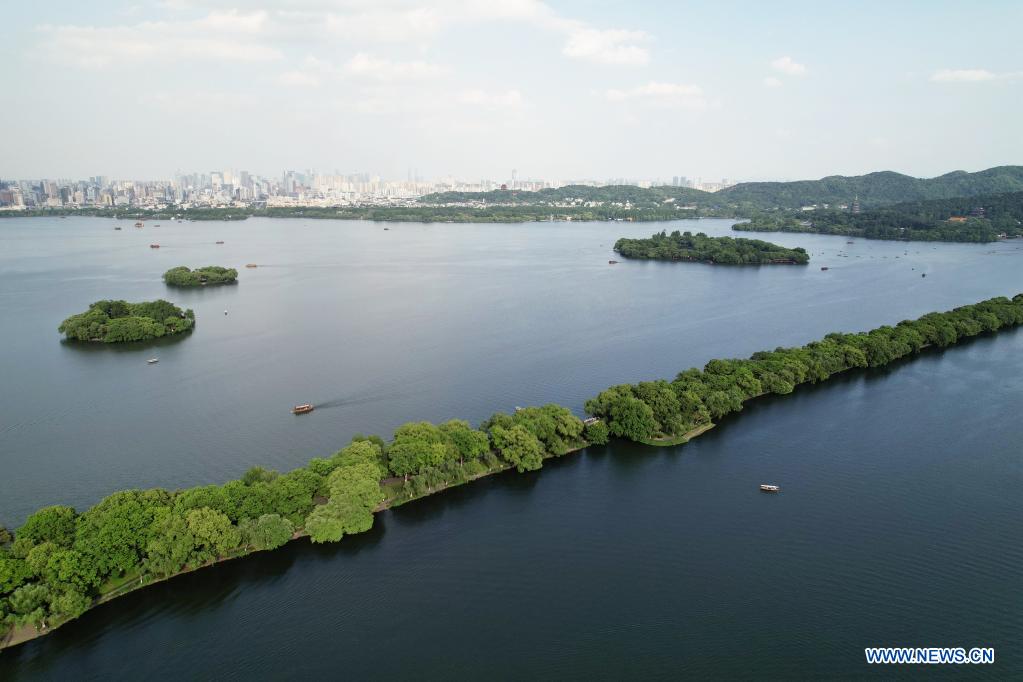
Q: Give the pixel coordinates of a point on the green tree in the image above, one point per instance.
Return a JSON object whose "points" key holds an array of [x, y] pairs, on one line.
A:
{"points": [[214, 535], [469, 443], [269, 531], [597, 433], [50, 524], [518, 447], [170, 546]]}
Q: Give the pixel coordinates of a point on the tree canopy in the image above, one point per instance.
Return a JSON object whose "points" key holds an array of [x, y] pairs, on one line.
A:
{"points": [[209, 275], [120, 321], [686, 246]]}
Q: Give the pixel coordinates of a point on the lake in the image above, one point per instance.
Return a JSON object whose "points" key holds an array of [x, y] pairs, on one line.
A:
{"points": [[900, 520]]}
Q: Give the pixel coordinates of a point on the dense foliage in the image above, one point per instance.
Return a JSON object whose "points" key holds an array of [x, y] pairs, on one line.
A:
{"points": [[60, 561], [963, 219], [686, 246], [874, 189], [657, 410], [211, 274], [120, 321]]}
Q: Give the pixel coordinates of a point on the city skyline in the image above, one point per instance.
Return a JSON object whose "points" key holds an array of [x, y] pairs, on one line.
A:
{"points": [[473, 89]]}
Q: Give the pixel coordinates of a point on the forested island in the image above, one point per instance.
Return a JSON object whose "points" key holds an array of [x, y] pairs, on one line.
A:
{"points": [[120, 321], [985, 218], [60, 562], [686, 246], [209, 275]]}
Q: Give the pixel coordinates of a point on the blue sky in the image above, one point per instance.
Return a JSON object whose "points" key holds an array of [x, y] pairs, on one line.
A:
{"points": [[562, 90]]}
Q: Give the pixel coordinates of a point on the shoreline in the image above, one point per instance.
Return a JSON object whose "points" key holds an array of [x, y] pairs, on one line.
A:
{"points": [[875, 349], [26, 633]]}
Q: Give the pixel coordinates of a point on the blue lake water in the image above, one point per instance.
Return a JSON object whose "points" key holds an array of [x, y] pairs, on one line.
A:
{"points": [[900, 522]]}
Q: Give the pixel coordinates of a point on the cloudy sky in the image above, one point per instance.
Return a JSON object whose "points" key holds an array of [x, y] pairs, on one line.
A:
{"points": [[475, 88]]}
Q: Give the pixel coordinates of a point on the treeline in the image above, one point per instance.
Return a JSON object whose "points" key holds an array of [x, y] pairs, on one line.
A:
{"points": [[639, 197], [491, 214], [658, 410], [120, 321], [211, 274], [962, 219], [686, 246], [60, 561], [873, 189]]}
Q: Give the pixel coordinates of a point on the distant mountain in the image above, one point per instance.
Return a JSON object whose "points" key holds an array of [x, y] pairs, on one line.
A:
{"points": [[874, 189]]}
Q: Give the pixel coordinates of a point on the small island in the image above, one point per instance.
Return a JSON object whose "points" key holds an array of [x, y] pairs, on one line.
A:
{"points": [[121, 322], [686, 246], [200, 277]]}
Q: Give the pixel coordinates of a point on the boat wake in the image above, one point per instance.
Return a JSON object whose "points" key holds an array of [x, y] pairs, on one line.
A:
{"points": [[364, 399]]}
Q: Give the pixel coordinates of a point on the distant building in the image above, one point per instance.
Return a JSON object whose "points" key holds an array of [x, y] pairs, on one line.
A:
{"points": [[856, 204]]}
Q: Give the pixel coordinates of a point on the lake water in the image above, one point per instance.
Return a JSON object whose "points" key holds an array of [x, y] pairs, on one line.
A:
{"points": [[901, 520]]}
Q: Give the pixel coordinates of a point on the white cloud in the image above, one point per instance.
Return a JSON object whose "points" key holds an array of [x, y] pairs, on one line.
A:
{"points": [[507, 100], [383, 69], [272, 27], [788, 66], [772, 82], [224, 36], [971, 75], [299, 79], [607, 46], [662, 94]]}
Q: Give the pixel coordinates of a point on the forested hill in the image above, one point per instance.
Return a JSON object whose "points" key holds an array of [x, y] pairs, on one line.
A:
{"points": [[984, 218], [874, 189]]}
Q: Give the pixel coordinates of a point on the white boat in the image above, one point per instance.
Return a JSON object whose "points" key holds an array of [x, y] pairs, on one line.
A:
{"points": [[225, 312], [765, 488], [152, 361]]}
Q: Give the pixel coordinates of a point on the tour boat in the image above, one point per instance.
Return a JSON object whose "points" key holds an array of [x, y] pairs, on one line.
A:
{"points": [[251, 265], [765, 488], [302, 409], [612, 262], [152, 361], [138, 224], [154, 246]]}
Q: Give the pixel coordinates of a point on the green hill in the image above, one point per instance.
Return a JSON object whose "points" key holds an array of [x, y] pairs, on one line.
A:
{"points": [[874, 189]]}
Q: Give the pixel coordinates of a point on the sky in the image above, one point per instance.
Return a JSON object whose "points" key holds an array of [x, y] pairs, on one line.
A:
{"points": [[475, 88]]}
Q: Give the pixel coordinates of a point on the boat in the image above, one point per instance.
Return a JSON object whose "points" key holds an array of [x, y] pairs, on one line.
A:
{"points": [[220, 242], [157, 225], [154, 246], [138, 224], [225, 312], [612, 262], [387, 228], [765, 488], [824, 267], [117, 228], [923, 274], [251, 265], [152, 361], [302, 409], [850, 242]]}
